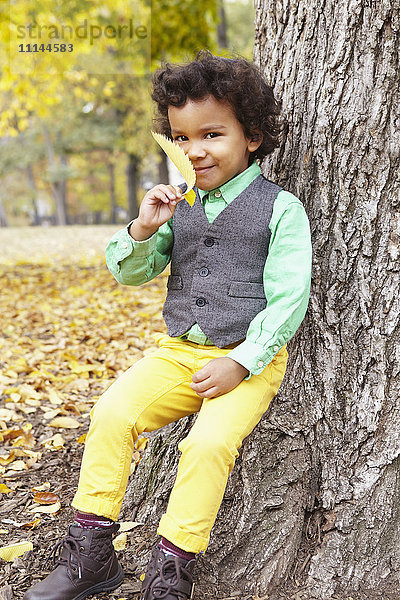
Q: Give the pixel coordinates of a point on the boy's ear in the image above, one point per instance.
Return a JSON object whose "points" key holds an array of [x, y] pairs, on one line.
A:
{"points": [[255, 141]]}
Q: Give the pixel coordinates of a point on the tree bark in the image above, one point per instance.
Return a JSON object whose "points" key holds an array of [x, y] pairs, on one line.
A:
{"points": [[314, 495]]}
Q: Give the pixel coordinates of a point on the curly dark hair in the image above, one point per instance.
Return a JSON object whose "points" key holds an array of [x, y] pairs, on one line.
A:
{"points": [[235, 80]]}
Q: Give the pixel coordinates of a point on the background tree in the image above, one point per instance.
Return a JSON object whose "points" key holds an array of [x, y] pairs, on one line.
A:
{"points": [[315, 494]]}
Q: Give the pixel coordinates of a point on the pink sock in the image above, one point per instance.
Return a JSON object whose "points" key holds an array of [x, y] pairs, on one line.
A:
{"points": [[169, 548], [90, 521]]}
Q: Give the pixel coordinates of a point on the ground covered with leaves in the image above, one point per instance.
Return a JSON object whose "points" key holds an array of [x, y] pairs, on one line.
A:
{"points": [[68, 330]]}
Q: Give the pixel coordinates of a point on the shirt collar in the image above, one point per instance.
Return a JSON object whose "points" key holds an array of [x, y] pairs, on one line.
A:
{"points": [[235, 186]]}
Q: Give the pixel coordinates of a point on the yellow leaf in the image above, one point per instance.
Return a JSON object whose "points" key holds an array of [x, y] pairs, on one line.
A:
{"points": [[54, 397], [128, 525], [65, 423], [30, 524], [48, 509], [143, 575], [141, 443], [181, 161], [4, 489], [81, 439], [3, 531], [120, 541], [18, 465], [41, 488], [12, 551], [56, 442]]}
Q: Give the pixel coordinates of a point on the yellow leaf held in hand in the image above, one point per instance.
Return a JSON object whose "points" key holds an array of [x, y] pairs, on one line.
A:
{"points": [[181, 161]]}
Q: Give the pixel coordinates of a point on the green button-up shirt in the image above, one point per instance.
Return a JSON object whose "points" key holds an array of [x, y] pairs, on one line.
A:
{"points": [[286, 277]]}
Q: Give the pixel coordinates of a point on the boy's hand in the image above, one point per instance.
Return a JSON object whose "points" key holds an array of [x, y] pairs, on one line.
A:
{"points": [[157, 206], [217, 377]]}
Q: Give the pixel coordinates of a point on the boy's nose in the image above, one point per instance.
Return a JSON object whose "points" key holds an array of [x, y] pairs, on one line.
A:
{"points": [[195, 150]]}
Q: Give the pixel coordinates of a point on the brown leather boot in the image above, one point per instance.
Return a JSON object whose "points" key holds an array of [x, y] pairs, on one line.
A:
{"points": [[168, 577], [86, 563]]}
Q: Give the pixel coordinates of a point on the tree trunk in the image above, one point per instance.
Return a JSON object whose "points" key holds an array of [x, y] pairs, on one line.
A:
{"points": [[3, 216], [113, 201], [33, 191], [63, 187], [132, 180], [314, 496], [222, 29], [163, 174], [58, 193]]}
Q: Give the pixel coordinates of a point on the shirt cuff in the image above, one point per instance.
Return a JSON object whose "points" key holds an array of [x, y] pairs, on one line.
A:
{"points": [[254, 357], [140, 248]]}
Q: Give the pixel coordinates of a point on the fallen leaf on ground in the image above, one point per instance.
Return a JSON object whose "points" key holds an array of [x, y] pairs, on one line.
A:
{"points": [[18, 465], [9, 553], [30, 524], [141, 443], [45, 498], [41, 488], [120, 541], [4, 489], [50, 509], [65, 423], [128, 525], [56, 442]]}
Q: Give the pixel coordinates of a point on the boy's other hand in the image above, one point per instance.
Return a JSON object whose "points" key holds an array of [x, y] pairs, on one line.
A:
{"points": [[156, 208], [217, 377]]}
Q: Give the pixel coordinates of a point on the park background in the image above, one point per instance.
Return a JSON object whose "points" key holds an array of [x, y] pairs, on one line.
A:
{"points": [[312, 510]]}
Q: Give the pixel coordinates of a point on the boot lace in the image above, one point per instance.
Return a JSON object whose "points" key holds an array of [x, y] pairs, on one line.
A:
{"points": [[71, 545], [165, 582]]}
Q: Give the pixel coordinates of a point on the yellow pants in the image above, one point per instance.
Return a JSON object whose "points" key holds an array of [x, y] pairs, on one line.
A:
{"points": [[156, 391]]}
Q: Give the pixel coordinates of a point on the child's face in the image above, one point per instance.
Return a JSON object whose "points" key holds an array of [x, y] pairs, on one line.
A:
{"points": [[212, 137]]}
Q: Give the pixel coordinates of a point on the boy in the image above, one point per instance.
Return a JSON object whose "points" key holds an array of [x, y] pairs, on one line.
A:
{"points": [[238, 290]]}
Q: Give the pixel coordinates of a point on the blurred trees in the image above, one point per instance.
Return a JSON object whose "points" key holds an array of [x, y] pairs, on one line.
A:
{"points": [[74, 126]]}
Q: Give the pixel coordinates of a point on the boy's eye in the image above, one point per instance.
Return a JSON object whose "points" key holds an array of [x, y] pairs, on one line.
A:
{"points": [[213, 134], [178, 138]]}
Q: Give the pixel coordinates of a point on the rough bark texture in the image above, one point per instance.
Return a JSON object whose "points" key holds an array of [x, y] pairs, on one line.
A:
{"points": [[316, 490]]}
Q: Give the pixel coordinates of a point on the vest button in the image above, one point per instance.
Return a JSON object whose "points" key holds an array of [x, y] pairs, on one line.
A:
{"points": [[203, 272], [209, 242], [218, 194], [200, 302]]}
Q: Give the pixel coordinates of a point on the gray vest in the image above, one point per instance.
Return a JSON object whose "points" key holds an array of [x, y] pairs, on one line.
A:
{"points": [[217, 269]]}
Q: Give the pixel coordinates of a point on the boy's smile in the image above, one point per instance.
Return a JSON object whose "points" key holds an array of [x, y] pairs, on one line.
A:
{"points": [[212, 137]]}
